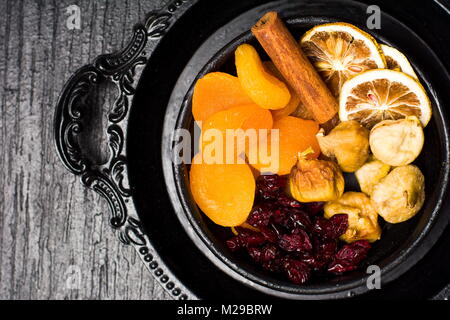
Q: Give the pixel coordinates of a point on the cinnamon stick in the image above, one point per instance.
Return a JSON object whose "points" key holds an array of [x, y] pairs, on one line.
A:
{"points": [[295, 67]]}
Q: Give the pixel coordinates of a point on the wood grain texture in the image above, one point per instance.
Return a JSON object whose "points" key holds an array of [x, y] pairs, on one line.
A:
{"points": [[55, 241]]}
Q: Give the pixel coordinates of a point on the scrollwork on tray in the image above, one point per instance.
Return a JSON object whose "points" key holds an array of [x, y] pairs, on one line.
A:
{"points": [[124, 81], [103, 185], [157, 24], [69, 117]]}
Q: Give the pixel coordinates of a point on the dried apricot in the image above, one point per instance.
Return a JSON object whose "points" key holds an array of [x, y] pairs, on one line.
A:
{"points": [[224, 192], [295, 99], [294, 135], [263, 88], [215, 92], [215, 139]]}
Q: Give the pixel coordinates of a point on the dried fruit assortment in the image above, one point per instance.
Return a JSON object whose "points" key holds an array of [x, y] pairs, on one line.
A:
{"points": [[294, 238], [337, 101]]}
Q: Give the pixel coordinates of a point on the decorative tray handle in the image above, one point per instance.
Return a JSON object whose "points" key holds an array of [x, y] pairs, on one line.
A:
{"points": [[110, 179]]}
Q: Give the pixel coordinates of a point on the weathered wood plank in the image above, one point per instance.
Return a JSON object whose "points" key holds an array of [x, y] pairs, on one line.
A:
{"points": [[51, 227]]}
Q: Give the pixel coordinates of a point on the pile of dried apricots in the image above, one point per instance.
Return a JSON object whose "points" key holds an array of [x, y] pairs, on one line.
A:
{"points": [[257, 98]]}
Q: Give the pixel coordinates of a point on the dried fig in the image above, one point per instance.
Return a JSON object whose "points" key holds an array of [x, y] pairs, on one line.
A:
{"points": [[362, 216], [397, 142], [348, 143], [371, 173], [315, 180], [399, 195]]}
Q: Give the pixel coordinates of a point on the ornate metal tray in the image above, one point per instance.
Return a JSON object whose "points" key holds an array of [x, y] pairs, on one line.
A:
{"points": [[144, 73]]}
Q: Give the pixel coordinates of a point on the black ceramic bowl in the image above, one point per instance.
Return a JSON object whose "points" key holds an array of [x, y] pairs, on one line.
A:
{"points": [[401, 245]]}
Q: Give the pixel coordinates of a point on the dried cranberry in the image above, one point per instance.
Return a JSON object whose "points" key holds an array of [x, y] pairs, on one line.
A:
{"points": [[273, 265], [349, 257], [298, 272], [249, 238], [269, 234], [276, 229], [293, 238], [323, 252], [325, 248], [340, 224], [286, 201], [264, 255], [354, 252], [290, 218], [260, 215], [300, 219], [298, 242], [281, 217], [331, 228], [324, 228], [314, 208], [341, 266], [315, 262], [234, 244], [270, 186], [269, 252], [252, 240], [255, 254]]}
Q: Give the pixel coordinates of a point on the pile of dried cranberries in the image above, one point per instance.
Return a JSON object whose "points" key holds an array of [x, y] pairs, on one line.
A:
{"points": [[293, 238]]}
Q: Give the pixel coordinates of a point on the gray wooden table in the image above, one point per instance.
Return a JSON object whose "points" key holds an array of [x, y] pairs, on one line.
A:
{"points": [[55, 241]]}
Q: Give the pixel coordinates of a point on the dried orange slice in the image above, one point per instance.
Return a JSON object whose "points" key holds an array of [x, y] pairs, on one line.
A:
{"points": [[383, 94], [395, 60], [340, 51]]}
